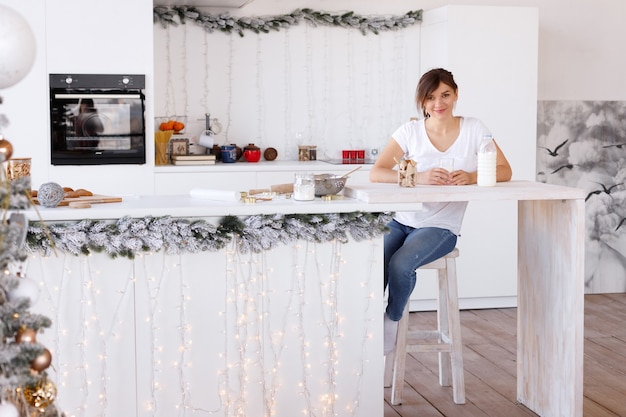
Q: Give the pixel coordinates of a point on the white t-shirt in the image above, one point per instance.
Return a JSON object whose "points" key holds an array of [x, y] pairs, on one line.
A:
{"points": [[416, 145]]}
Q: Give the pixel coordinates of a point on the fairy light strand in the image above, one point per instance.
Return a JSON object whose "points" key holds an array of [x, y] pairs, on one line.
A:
{"points": [[352, 103], [255, 329], [289, 145], [309, 80], [207, 70], [185, 71], [304, 361], [94, 324], [260, 130], [229, 86], [169, 86]]}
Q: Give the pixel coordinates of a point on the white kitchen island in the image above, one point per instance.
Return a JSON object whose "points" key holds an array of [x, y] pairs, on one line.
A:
{"points": [[295, 329]]}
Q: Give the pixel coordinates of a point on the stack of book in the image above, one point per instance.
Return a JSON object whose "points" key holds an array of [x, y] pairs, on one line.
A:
{"points": [[193, 159]]}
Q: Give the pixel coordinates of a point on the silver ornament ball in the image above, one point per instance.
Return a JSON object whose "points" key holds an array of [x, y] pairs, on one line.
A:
{"points": [[50, 194]]}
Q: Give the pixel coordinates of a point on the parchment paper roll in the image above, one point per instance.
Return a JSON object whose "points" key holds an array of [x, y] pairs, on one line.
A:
{"points": [[217, 195]]}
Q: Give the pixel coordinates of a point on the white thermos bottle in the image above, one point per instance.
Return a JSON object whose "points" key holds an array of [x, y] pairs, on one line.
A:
{"points": [[487, 162]]}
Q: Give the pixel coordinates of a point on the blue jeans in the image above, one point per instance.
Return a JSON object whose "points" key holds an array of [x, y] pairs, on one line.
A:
{"points": [[406, 249]]}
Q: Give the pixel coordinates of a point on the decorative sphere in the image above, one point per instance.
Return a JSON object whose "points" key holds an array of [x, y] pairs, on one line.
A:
{"points": [[41, 395], [8, 410], [41, 362], [26, 288], [17, 47], [6, 149], [50, 194], [26, 335]]}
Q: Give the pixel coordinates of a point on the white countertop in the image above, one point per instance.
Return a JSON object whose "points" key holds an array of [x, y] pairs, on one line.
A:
{"points": [[366, 197], [512, 190], [262, 166]]}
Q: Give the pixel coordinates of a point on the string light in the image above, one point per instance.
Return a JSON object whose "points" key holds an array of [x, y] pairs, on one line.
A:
{"points": [[261, 132], [185, 70], [287, 77], [207, 70], [269, 318], [229, 93]]}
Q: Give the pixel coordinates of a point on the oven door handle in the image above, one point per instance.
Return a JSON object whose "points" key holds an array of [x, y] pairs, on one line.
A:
{"points": [[97, 96]]}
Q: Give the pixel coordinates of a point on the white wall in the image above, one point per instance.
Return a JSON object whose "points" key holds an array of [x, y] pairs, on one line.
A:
{"points": [[329, 87], [579, 40]]}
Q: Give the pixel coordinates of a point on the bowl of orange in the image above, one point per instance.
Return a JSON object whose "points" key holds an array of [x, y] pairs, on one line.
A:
{"points": [[175, 123]]}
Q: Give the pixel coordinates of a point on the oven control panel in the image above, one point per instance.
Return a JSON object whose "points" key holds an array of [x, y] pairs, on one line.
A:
{"points": [[116, 81]]}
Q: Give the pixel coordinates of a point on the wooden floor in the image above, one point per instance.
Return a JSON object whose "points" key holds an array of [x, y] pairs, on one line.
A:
{"points": [[490, 365]]}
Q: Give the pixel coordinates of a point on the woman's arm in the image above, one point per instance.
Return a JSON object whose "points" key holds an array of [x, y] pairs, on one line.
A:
{"points": [[503, 168], [383, 169]]}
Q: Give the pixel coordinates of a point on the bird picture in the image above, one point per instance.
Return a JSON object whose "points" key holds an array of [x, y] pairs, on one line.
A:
{"points": [[604, 189], [615, 145], [568, 166], [621, 222], [554, 152]]}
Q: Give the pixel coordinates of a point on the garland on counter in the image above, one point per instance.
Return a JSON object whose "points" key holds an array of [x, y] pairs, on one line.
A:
{"points": [[128, 236], [173, 15]]}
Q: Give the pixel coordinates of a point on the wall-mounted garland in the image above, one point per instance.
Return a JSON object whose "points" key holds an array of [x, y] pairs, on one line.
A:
{"points": [[128, 236], [223, 22]]}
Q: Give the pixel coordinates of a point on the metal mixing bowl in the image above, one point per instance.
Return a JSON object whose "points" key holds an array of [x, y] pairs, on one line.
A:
{"points": [[328, 184]]}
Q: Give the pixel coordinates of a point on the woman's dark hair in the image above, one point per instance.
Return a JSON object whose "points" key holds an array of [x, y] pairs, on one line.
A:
{"points": [[429, 82]]}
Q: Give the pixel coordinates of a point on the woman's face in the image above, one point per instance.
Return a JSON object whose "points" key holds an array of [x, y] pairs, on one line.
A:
{"points": [[440, 102]]}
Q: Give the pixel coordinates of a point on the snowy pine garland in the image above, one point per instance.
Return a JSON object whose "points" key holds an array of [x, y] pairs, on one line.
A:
{"points": [[127, 236], [173, 15]]}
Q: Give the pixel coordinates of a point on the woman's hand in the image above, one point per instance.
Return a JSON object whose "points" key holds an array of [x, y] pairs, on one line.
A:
{"points": [[440, 176]]}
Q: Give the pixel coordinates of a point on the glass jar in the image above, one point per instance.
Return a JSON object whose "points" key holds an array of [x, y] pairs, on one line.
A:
{"points": [[18, 168], [304, 186]]}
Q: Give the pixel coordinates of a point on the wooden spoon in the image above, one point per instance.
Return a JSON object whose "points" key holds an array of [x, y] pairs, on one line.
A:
{"points": [[350, 172]]}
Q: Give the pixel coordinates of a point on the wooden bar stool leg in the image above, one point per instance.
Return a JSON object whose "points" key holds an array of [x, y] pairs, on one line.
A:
{"points": [[388, 376], [454, 325], [399, 362], [443, 326]]}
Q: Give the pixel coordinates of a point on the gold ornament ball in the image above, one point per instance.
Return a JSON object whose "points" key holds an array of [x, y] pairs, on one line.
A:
{"points": [[26, 335], [42, 361], [41, 395], [6, 149]]}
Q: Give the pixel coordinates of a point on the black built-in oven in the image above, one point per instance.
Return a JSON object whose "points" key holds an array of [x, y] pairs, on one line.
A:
{"points": [[97, 119]]}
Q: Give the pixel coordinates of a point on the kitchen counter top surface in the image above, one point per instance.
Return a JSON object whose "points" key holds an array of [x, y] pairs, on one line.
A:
{"points": [[190, 207], [263, 166], [366, 197]]}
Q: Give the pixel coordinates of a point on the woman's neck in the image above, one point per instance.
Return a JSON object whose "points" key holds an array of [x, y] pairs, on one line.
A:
{"points": [[442, 126]]}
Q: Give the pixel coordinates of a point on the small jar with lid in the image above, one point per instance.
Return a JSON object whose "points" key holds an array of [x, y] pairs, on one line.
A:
{"points": [[252, 153]]}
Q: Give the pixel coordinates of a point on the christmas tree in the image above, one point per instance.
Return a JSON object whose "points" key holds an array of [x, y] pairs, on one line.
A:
{"points": [[25, 389]]}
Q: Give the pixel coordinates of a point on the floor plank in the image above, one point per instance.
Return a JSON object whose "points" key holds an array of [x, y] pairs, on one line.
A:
{"points": [[489, 354]]}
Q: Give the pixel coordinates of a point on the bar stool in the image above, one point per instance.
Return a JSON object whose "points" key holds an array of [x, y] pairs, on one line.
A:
{"points": [[446, 340]]}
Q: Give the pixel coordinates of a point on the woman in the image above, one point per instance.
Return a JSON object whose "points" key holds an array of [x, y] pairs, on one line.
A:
{"points": [[417, 238]]}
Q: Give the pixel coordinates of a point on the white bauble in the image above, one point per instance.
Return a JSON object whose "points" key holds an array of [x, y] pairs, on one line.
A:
{"points": [[8, 410], [26, 288], [17, 47]]}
